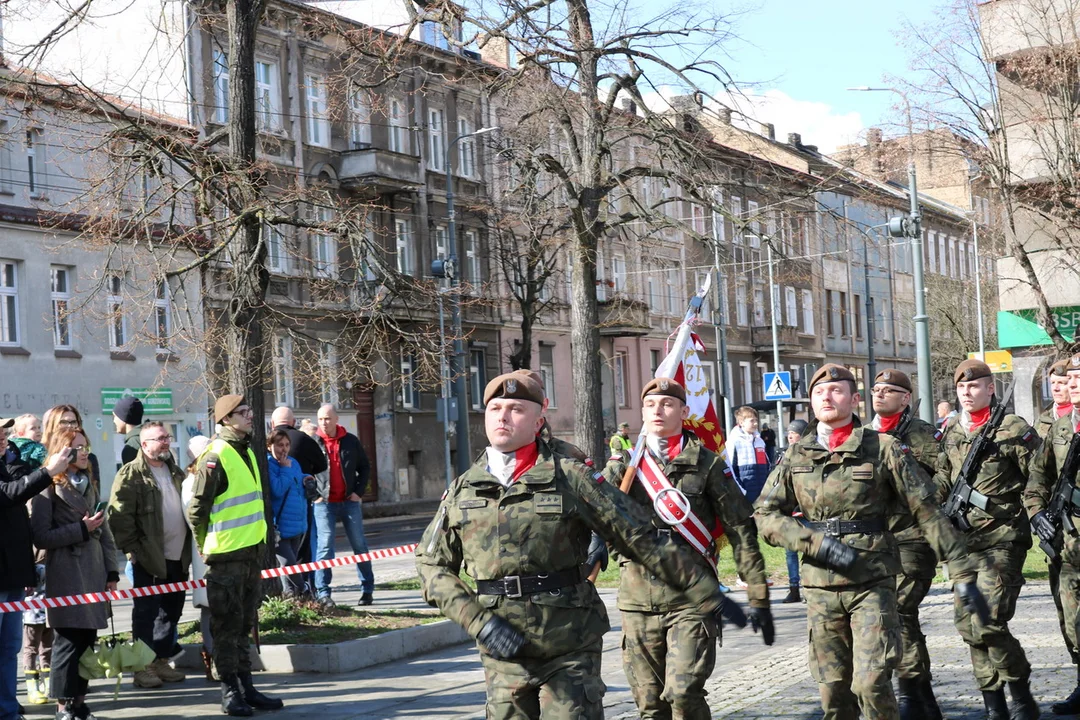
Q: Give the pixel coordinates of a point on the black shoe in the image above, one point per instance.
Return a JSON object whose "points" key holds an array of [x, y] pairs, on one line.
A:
{"points": [[996, 707], [907, 699], [255, 698], [232, 698], [930, 708], [365, 599], [1023, 706], [793, 595]]}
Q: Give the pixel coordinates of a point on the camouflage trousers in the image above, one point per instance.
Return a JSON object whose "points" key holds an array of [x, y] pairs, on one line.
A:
{"points": [[854, 647], [667, 658], [996, 656], [919, 566], [232, 592], [1068, 632], [561, 688]]}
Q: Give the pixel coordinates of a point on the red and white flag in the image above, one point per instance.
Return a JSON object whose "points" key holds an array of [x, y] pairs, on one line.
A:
{"points": [[683, 365]]}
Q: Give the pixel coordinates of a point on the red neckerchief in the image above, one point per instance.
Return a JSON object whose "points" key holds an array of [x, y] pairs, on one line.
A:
{"points": [[840, 435], [1063, 410], [673, 446], [524, 460], [979, 418], [889, 422]]}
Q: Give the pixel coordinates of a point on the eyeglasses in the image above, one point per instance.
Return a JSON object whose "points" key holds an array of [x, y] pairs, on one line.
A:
{"points": [[82, 449], [162, 439], [246, 412], [69, 423], [882, 391]]}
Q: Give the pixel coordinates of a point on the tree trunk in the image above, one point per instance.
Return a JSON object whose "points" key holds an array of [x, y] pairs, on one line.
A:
{"points": [[585, 353], [522, 359]]}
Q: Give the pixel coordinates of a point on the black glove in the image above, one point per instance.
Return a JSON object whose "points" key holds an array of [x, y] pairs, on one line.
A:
{"points": [[973, 600], [597, 553], [501, 640], [761, 619], [1043, 526], [836, 554], [730, 611]]}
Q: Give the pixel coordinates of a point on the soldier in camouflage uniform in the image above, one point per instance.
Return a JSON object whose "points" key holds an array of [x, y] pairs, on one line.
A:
{"points": [[229, 513], [1065, 571], [669, 645], [848, 480], [998, 539], [893, 416], [1059, 392], [519, 522]]}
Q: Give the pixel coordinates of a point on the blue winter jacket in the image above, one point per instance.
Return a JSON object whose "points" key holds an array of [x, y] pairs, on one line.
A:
{"points": [[287, 498]]}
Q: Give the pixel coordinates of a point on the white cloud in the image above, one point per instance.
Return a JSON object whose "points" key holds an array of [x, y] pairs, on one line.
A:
{"points": [[817, 122]]}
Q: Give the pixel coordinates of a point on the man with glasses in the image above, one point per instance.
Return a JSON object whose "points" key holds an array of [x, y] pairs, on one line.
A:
{"points": [[146, 517], [893, 416], [229, 511]]}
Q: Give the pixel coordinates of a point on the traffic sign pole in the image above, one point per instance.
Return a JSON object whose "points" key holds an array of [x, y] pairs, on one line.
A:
{"points": [[781, 439]]}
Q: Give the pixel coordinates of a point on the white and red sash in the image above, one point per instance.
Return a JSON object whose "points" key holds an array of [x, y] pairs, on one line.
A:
{"points": [[673, 507]]}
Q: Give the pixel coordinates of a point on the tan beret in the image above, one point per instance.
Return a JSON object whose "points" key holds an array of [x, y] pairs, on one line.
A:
{"points": [[971, 370], [891, 376], [532, 375], [664, 386], [514, 385], [1073, 364], [226, 405], [830, 372], [1058, 368]]}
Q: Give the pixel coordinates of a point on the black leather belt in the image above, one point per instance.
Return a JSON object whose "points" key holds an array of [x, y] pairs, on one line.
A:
{"points": [[515, 586], [835, 527]]}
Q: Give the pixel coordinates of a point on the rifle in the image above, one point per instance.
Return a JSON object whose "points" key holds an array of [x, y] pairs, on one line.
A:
{"points": [[1062, 502], [963, 495]]}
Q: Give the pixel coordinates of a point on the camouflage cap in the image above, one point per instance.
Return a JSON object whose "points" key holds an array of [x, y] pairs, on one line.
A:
{"points": [[624, 426], [514, 385], [1073, 364], [891, 376], [664, 386], [971, 370], [1058, 368], [226, 405], [830, 372]]}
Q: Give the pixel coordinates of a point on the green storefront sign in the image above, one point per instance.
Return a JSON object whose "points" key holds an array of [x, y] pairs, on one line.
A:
{"points": [[156, 401], [1020, 328]]}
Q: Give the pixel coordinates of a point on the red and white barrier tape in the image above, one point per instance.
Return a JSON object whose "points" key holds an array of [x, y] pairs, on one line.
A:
{"points": [[165, 588]]}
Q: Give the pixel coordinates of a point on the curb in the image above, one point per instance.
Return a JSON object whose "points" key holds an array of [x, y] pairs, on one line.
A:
{"points": [[349, 655]]}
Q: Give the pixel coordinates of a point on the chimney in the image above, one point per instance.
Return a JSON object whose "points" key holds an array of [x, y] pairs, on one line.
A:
{"points": [[794, 139], [768, 130], [724, 114], [629, 106], [873, 136], [875, 150], [685, 104]]}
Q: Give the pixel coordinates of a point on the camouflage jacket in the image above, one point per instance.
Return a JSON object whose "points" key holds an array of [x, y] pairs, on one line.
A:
{"points": [[867, 477], [704, 478], [1002, 478], [922, 438], [1045, 469], [542, 523], [1046, 421]]}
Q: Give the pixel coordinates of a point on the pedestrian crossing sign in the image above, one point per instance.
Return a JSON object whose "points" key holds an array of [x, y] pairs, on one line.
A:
{"points": [[778, 385]]}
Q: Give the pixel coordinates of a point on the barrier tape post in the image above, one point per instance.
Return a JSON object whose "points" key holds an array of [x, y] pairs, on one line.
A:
{"points": [[165, 588]]}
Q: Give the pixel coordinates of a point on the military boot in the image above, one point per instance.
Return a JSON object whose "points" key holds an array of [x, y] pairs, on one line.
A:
{"points": [[996, 706], [1071, 704], [931, 711], [255, 698], [1023, 706], [907, 698], [232, 698]]}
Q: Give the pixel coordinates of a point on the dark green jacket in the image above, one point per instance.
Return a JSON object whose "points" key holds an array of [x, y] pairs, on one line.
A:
{"points": [[131, 448], [923, 440], [1045, 470]]}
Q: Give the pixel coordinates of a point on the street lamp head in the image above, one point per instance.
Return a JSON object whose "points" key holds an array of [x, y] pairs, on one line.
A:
{"points": [[485, 130], [861, 88]]}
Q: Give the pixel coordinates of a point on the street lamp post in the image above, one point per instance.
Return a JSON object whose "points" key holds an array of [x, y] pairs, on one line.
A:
{"points": [[912, 228], [457, 360]]}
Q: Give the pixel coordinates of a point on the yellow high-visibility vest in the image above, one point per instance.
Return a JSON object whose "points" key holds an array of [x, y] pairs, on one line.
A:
{"points": [[238, 516]]}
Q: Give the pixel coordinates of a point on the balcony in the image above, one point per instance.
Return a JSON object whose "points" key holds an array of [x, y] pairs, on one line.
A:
{"points": [[621, 316], [787, 337], [380, 170]]}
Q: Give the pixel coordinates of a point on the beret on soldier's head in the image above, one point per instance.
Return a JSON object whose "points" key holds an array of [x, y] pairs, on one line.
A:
{"points": [[1058, 368], [225, 406], [532, 375], [830, 372], [1073, 364], [971, 370], [664, 386], [514, 385], [891, 376]]}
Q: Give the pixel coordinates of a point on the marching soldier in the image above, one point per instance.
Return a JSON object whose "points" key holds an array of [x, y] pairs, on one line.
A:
{"points": [[669, 645], [1065, 569], [228, 513], [997, 540], [918, 564], [848, 480], [1059, 392], [519, 522]]}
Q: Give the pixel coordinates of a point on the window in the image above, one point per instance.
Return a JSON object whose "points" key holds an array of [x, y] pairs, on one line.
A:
{"points": [[792, 309], [162, 319], [472, 258], [941, 254], [601, 284], [755, 220], [547, 372], [654, 293], [759, 306], [276, 256], [436, 139], [221, 87], [832, 320], [622, 392], [466, 148], [118, 335], [654, 362], [359, 120], [324, 245], [856, 310], [962, 266], [318, 124], [328, 373], [808, 312], [886, 321], [672, 296], [747, 383], [5, 157], [618, 273], [742, 315], [697, 215], [953, 265], [35, 163], [283, 370], [441, 249], [477, 378], [9, 303], [399, 131], [267, 96], [410, 393], [61, 306], [403, 245]]}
